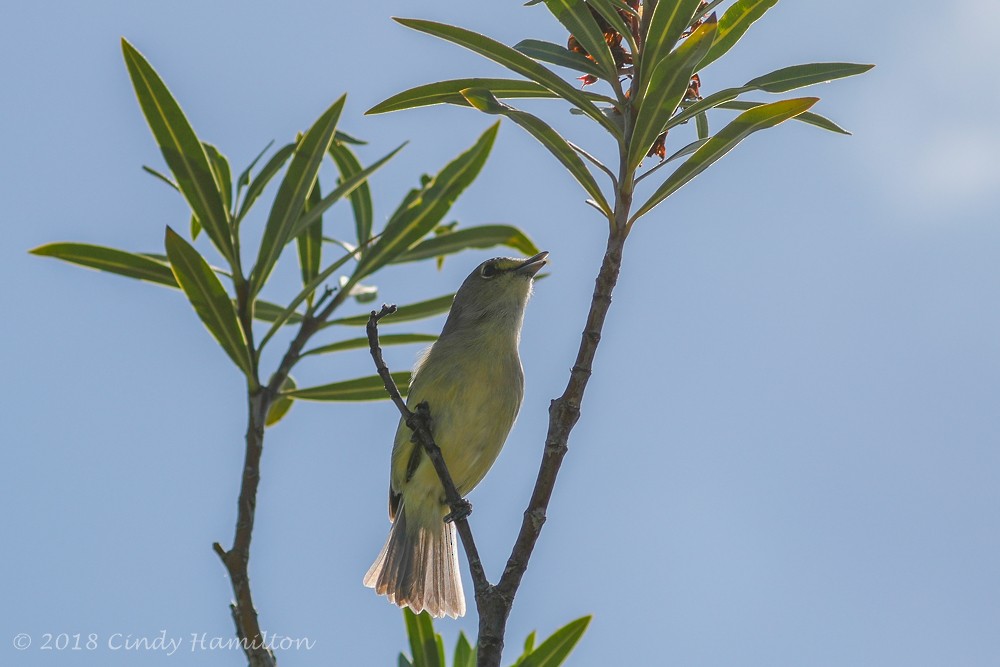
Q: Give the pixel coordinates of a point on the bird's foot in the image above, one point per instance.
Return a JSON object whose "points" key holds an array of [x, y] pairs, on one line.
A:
{"points": [[463, 511]]}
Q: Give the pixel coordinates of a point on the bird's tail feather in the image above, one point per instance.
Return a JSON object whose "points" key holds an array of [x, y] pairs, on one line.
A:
{"points": [[418, 567]]}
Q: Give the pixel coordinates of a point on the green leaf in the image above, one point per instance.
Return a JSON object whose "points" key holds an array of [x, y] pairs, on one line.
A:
{"points": [[799, 76], [465, 654], [281, 405], [310, 240], [420, 629], [358, 343], [424, 213], [408, 313], [748, 122], [733, 25], [181, 149], [110, 260], [557, 55], [345, 187], [160, 176], [292, 192], [701, 121], [807, 117], [209, 299], [243, 179], [484, 236], [702, 105], [667, 85], [515, 61], [448, 92], [361, 198], [265, 311], [668, 22], [529, 646], [576, 17], [554, 650], [222, 173], [404, 661], [344, 138], [548, 137], [361, 389], [260, 181]]}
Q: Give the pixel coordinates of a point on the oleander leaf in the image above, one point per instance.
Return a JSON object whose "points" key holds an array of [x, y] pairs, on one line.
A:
{"points": [[553, 651], [408, 313], [110, 260], [361, 198], [733, 25], [483, 236]]}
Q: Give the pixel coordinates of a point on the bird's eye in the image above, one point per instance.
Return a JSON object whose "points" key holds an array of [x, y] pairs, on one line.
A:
{"points": [[488, 270]]}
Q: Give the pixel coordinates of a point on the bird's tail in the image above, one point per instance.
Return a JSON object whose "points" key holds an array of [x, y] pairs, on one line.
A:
{"points": [[418, 566]]}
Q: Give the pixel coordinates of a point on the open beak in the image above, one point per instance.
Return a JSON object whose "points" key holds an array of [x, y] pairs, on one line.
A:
{"points": [[531, 266]]}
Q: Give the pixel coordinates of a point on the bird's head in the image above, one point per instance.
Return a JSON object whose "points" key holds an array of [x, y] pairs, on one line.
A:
{"points": [[494, 294]]}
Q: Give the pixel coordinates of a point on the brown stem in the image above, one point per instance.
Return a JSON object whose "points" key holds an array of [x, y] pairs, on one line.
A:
{"points": [[564, 412], [237, 559]]}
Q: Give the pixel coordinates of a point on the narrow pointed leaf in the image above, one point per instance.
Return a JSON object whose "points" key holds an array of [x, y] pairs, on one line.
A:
{"points": [[260, 181], [704, 104], [733, 25], [807, 117], [310, 241], [345, 187], [361, 198], [110, 260], [419, 627], [345, 138], [265, 311], [426, 211], [553, 651], [517, 62], [748, 122], [448, 92], [576, 17], [701, 121], [484, 236], [160, 176], [358, 343], [221, 171], [403, 661], [668, 22], [292, 193], [465, 654], [209, 298], [687, 150], [557, 55], [548, 137], [181, 149], [799, 76], [243, 179], [195, 226], [667, 85], [408, 313], [281, 405]]}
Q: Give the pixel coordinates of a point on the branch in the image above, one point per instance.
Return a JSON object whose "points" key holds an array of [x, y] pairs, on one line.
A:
{"points": [[419, 422]]}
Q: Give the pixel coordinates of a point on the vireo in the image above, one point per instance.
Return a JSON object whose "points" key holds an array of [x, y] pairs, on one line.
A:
{"points": [[472, 381]]}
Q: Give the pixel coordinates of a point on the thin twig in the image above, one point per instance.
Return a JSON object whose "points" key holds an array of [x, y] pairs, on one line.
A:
{"points": [[419, 422]]}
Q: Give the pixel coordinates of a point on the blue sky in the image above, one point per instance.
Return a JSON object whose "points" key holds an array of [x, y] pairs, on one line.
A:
{"points": [[788, 453]]}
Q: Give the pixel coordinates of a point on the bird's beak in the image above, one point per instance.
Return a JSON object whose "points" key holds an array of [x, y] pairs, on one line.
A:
{"points": [[531, 266]]}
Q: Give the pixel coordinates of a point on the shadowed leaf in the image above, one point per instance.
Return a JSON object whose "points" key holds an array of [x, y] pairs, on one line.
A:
{"points": [[553, 651], [110, 260], [361, 198], [485, 236], [357, 343], [408, 313]]}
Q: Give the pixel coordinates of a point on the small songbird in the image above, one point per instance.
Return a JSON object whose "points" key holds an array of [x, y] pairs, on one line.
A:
{"points": [[472, 381]]}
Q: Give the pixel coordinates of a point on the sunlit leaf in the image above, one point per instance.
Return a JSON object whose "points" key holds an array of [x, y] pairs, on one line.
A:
{"points": [[291, 197], [515, 61], [553, 651], [209, 298], [408, 313], [748, 122], [557, 55], [576, 17], [608, 9], [110, 260], [358, 343], [424, 213], [667, 85], [361, 198], [733, 25], [548, 137], [807, 117], [668, 21], [282, 404], [420, 631], [181, 149], [160, 176], [799, 76], [484, 236], [222, 173]]}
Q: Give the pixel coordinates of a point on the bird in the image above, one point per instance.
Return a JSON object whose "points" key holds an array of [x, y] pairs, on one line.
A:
{"points": [[473, 383]]}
